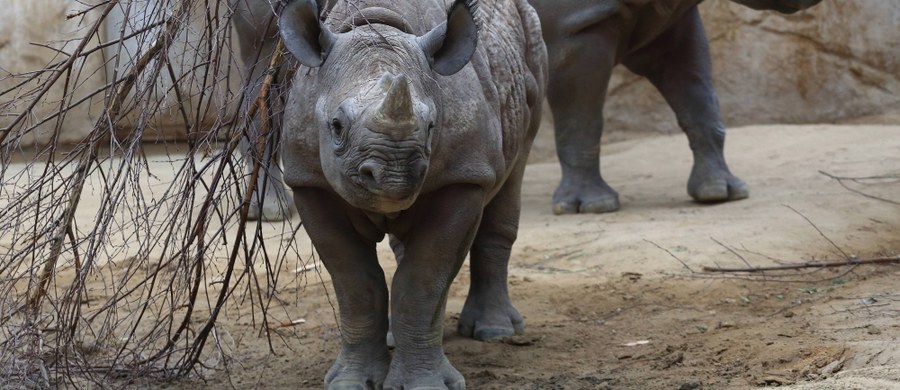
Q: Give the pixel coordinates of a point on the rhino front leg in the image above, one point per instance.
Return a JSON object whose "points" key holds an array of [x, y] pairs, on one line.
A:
{"points": [[678, 64], [434, 249], [580, 69], [359, 285], [257, 32], [488, 312]]}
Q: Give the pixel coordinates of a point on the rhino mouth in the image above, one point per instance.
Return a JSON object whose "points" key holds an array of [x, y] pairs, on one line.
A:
{"points": [[387, 200], [392, 182]]}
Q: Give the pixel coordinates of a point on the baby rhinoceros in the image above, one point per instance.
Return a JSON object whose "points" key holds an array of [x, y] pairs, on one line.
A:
{"points": [[414, 120]]}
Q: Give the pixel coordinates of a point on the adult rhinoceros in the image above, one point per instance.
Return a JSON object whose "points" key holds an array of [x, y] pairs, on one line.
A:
{"points": [[410, 120], [662, 40]]}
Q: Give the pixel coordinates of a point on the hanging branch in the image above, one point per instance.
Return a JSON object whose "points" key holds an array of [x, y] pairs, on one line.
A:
{"points": [[104, 125], [140, 287], [258, 104]]}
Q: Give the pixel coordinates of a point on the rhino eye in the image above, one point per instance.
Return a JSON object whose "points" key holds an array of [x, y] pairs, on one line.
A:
{"points": [[430, 126], [337, 127]]}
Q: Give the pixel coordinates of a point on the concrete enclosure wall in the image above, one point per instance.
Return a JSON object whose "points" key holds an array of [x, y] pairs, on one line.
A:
{"points": [[33, 31], [23, 25]]}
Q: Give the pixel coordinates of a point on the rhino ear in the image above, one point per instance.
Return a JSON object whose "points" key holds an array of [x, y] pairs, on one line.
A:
{"points": [[450, 46], [304, 34]]}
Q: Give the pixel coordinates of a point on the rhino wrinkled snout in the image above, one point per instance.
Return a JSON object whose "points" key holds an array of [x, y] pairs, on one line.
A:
{"points": [[395, 183]]}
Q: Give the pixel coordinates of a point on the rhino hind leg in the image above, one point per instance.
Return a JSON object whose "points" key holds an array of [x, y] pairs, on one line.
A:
{"points": [[678, 64], [271, 200], [255, 25], [488, 312], [576, 93]]}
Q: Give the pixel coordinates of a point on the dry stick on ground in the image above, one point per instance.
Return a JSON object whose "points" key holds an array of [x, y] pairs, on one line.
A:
{"points": [[848, 260], [809, 264], [841, 180]]}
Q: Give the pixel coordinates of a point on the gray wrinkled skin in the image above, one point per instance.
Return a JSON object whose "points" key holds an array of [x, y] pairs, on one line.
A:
{"points": [[399, 124], [662, 40]]}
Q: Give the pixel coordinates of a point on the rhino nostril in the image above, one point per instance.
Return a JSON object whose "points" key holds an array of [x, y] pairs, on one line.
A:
{"points": [[419, 169], [367, 172]]}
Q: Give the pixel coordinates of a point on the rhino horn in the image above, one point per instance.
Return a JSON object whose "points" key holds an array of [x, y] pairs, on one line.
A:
{"points": [[396, 113]]}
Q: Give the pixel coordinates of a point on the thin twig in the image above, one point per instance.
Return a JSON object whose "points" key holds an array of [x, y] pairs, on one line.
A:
{"points": [[76, 14], [810, 264], [841, 251], [671, 254], [729, 249], [841, 180]]}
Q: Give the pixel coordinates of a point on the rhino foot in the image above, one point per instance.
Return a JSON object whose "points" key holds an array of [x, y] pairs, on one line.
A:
{"points": [[584, 196], [445, 377], [483, 321], [368, 376], [707, 185]]}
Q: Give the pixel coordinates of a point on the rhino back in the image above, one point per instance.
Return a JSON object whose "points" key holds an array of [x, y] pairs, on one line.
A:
{"points": [[636, 22], [494, 103], [420, 15], [647, 21]]}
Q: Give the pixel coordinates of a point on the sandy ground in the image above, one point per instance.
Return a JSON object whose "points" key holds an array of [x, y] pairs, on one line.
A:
{"points": [[589, 285], [618, 300]]}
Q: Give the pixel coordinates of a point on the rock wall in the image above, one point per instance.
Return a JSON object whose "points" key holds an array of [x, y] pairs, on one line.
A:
{"points": [[837, 61]]}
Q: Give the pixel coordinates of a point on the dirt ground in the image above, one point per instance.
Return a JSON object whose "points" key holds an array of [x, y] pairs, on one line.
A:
{"points": [[618, 301], [609, 304]]}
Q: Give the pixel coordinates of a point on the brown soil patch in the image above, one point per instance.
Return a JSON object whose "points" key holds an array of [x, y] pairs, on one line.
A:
{"points": [[589, 285]]}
